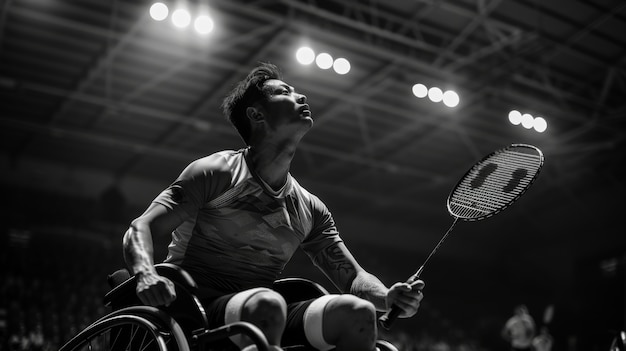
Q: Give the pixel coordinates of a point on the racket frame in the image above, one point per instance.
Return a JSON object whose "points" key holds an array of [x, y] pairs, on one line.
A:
{"points": [[480, 164]]}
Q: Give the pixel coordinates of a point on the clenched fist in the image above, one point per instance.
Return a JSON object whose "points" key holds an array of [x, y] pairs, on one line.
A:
{"points": [[154, 289]]}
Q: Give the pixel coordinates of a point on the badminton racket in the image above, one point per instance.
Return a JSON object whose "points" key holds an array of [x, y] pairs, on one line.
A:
{"points": [[486, 189]]}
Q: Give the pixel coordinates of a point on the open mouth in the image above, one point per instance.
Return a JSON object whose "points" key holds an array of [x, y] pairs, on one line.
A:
{"points": [[304, 110]]}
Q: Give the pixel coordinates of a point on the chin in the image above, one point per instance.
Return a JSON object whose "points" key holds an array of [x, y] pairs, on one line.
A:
{"points": [[311, 121]]}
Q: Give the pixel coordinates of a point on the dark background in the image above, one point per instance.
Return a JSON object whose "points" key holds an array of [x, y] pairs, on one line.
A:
{"points": [[101, 107]]}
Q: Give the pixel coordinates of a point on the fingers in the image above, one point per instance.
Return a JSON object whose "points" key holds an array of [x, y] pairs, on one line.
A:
{"points": [[409, 303], [407, 296], [418, 284], [156, 292]]}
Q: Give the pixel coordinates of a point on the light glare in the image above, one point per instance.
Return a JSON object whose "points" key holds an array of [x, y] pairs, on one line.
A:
{"points": [[203, 24], [420, 90], [324, 61], [181, 18], [305, 55], [341, 66], [435, 94], [515, 117], [450, 98], [540, 124], [159, 11], [527, 120]]}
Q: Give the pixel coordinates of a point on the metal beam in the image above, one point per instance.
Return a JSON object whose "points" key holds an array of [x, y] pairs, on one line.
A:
{"points": [[475, 22]]}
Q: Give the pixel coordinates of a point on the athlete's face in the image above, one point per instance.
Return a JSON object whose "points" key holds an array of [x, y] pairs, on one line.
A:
{"points": [[284, 109]]}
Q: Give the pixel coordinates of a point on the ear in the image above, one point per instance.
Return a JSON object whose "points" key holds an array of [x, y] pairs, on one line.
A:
{"points": [[254, 114]]}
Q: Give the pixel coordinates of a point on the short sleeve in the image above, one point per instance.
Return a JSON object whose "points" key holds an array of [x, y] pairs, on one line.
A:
{"points": [[201, 181], [324, 232]]}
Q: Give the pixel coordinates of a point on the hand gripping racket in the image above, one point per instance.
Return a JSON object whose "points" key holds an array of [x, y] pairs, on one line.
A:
{"points": [[490, 186]]}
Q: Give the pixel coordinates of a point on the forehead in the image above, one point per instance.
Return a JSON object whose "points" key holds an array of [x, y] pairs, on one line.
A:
{"points": [[276, 83]]}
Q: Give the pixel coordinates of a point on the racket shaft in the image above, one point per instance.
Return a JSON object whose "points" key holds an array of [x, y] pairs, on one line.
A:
{"points": [[387, 319]]}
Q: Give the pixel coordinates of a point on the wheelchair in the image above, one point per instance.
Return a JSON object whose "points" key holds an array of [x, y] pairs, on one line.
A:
{"points": [[182, 326]]}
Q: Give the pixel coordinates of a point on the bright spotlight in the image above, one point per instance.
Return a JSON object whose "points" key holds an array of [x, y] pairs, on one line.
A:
{"points": [[435, 94], [203, 24], [341, 66], [540, 124], [305, 55], [527, 120], [159, 11], [450, 98], [181, 18], [324, 61], [515, 117], [420, 90]]}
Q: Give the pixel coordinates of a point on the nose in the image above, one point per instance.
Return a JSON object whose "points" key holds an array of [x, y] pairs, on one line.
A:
{"points": [[301, 99]]}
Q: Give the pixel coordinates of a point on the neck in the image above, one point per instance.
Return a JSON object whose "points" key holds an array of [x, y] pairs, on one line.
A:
{"points": [[271, 162]]}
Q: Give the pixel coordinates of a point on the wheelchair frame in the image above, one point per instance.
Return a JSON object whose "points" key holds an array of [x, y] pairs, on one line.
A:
{"points": [[133, 326]]}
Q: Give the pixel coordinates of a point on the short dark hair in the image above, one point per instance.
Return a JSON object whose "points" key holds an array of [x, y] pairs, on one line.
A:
{"points": [[247, 92]]}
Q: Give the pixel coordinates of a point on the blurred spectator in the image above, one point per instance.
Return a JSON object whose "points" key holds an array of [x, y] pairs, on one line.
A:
{"points": [[543, 341], [519, 330]]}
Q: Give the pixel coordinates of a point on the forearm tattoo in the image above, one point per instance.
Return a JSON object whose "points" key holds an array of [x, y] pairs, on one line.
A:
{"points": [[366, 288], [337, 266]]}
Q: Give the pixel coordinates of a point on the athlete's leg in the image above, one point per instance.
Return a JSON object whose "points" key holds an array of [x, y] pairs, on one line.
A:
{"points": [[350, 323], [343, 322], [262, 307]]}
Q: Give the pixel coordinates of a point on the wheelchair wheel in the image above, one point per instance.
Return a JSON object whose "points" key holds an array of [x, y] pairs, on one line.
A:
{"points": [[145, 329]]}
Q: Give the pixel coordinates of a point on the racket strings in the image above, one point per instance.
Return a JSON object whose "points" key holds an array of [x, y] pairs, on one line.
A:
{"points": [[509, 173]]}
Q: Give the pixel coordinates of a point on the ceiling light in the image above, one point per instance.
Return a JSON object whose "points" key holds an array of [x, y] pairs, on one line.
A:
{"points": [[540, 124], [515, 117], [341, 66], [324, 61], [158, 11], [527, 120], [305, 55], [420, 90], [450, 98], [435, 94], [203, 24], [181, 18]]}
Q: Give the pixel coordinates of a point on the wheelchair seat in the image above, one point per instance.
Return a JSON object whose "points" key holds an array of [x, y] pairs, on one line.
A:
{"points": [[298, 289]]}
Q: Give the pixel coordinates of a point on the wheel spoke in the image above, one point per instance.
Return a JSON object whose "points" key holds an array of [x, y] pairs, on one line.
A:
{"points": [[119, 331], [126, 332]]}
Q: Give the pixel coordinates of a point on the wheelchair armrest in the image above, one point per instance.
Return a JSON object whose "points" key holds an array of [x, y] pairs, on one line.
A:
{"points": [[177, 275], [125, 291], [298, 289]]}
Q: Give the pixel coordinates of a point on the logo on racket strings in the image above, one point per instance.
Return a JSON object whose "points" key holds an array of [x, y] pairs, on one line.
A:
{"points": [[513, 182]]}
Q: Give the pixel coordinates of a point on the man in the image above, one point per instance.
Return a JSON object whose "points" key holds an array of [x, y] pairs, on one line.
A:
{"points": [[236, 218], [519, 330]]}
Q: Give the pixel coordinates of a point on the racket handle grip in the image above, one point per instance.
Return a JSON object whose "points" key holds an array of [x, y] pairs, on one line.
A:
{"points": [[387, 319]]}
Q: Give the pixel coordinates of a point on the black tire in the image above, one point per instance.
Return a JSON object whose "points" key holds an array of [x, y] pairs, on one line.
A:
{"points": [[142, 330]]}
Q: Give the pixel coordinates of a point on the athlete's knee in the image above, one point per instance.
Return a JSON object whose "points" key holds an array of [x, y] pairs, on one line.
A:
{"points": [[266, 305], [350, 323], [353, 308], [262, 307]]}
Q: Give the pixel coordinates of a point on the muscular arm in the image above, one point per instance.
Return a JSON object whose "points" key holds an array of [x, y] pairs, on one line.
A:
{"points": [[152, 289], [138, 244], [342, 269]]}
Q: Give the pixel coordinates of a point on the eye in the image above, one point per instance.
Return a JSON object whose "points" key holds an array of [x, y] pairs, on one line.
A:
{"points": [[285, 91]]}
